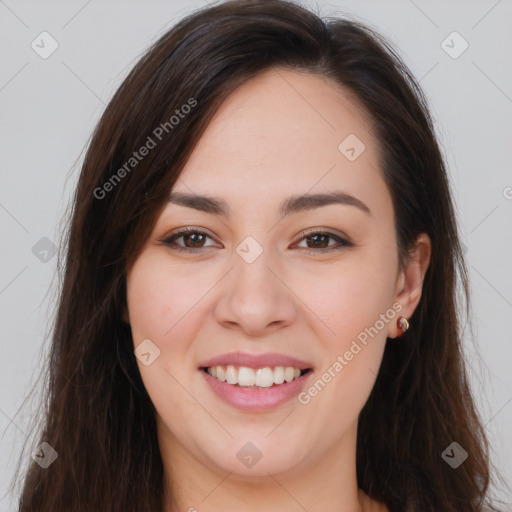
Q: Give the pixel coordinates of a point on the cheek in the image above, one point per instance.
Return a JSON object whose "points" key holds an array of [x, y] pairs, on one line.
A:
{"points": [[161, 299], [354, 300], [164, 307], [349, 296], [160, 307]]}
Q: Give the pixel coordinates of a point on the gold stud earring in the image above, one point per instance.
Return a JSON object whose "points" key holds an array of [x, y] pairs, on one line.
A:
{"points": [[403, 323]]}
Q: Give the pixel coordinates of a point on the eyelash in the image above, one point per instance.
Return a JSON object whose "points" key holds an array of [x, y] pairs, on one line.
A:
{"points": [[169, 241]]}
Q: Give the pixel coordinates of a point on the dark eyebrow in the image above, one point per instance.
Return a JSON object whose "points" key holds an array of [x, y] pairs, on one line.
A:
{"points": [[292, 204]]}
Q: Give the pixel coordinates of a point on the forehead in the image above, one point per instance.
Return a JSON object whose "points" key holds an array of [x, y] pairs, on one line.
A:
{"points": [[280, 133]]}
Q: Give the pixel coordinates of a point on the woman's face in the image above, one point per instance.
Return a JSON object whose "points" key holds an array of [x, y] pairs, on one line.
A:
{"points": [[257, 279]]}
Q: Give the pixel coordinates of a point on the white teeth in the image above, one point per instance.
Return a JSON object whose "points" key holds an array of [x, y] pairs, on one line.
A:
{"points": [[221, 374], [279, 375], [247, 377], [264, 377], [231, 374]]}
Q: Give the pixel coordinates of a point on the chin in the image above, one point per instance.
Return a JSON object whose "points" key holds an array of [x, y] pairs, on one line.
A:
{"points": [[246, 458]]}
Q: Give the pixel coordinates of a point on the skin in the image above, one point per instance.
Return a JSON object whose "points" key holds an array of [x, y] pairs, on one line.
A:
{"points": [[282, 129]]}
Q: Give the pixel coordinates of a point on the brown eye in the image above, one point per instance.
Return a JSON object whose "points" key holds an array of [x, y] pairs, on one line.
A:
{"points": [[193, 239], [320, 240]]}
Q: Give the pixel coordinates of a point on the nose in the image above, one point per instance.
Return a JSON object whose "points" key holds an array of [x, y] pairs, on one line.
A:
{"points": [[255, 298]]}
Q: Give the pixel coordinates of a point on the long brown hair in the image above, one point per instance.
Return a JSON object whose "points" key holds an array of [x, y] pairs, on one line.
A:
{"points": [[96, 412]]}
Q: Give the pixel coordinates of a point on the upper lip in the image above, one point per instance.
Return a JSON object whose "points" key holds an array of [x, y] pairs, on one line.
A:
{"points": [[255, 361]]}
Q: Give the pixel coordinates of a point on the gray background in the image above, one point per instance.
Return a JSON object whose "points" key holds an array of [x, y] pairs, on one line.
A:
{"points": [[50, 106]]}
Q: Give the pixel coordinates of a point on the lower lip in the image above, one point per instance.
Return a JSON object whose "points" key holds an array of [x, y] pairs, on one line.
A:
{"points": [[254, 399]]}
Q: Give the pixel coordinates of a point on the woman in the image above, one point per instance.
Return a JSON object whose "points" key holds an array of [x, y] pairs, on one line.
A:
{"points": [[258, 310]]}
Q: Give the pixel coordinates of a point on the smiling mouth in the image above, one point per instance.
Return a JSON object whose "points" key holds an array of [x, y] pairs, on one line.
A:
{"points": [[261, 378]]}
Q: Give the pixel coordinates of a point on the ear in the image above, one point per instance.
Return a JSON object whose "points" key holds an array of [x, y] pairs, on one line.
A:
{"points": [[410, 282]]}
